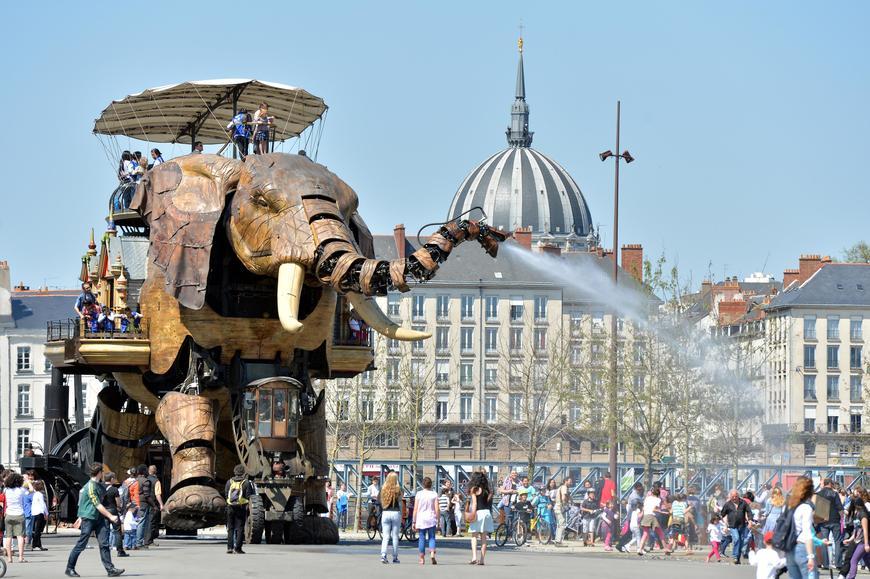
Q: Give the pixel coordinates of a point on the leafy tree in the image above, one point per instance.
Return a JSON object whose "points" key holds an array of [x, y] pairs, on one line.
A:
{"points": [[858, 253]]}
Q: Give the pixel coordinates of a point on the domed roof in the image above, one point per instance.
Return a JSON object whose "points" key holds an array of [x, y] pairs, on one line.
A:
{"points": [[520, 186]]}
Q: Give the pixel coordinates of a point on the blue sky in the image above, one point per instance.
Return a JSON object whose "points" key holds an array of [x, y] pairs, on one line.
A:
{"points": [[748, 120]]}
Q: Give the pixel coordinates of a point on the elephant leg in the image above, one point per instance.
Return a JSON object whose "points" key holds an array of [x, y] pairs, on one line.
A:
{"points": [[125, 435], [189, 424]]}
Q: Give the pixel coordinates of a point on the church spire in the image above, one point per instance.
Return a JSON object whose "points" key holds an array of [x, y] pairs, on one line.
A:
{"points": [[518, 134]]}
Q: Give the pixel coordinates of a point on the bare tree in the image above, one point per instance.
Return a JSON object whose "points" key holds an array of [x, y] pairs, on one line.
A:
{"points": [[533, 412], [858, 253]]}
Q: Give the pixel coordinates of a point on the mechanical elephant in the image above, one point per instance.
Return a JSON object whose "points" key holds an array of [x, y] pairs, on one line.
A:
{"points": [[246, 264]]}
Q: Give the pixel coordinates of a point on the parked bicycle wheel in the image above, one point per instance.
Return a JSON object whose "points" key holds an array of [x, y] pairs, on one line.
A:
{"points": [[521, 533], [545, 533], [501, 535]]}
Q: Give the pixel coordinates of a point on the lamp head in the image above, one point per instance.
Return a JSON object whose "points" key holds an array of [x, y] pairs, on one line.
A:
{"points": [[627, 156], [605, 155]]}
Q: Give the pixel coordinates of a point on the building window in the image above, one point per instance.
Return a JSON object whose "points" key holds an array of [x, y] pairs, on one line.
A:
{"points": [[342, 412], [392, 407], [441, 408], [466, 339], [23, 359], [388, 439], [47, 366], [540, 308], [23, 441], [453, 439], [809, 387], [392, 346], [515, 402], [491, 308], [417, 346], [516, 342], [417, 370], [809, 424], [442, 371], [442, 307], [491, 340], [442, 339], [516, 309], [417, 303], [855, 353], [367, 408], [809, 357], [597, 323], [855, 333], [809, 328], [833, 327], [540, 339], [516, 374], [809, 448], [465, 408], [24, 408], [833, 357], [366, 378], [466, 374], [855, 422], [490, 374], [833, 423], [575, 413], [489, 408], [393, 301], [855, 389], [392, 370], [467, 307], [833, 387]]}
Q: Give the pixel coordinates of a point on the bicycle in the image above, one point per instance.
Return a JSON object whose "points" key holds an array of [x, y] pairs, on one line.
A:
{"points": [[373, 523], [519, 531], [541, 528]]}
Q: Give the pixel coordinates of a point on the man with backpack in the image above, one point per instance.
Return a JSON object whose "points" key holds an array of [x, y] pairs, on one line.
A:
{"points": [[238, 492]]}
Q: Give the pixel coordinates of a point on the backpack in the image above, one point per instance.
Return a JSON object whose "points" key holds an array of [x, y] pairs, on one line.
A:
{"points": [[236, 496], [785, 532]]}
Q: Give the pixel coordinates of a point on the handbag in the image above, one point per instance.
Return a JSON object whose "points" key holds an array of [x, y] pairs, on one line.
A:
{"points": [[471, 509]]}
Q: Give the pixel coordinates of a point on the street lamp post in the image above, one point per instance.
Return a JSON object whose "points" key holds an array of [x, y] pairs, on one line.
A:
{"points": [[612, 394]]}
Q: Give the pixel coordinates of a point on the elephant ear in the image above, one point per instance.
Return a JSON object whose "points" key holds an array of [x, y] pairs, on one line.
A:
{"points": [[362, 235], [182, 201]]}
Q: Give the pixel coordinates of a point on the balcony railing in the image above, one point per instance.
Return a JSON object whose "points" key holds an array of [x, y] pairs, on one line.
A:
{"points": [[58, 330]]}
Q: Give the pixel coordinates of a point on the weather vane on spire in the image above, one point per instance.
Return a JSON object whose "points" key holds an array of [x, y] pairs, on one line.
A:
{"points": [[520, 42]]}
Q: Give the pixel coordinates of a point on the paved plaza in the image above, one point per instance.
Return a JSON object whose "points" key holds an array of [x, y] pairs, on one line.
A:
{"points": [[358, 557]]}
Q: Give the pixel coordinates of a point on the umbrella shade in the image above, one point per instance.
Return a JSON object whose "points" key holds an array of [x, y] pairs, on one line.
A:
{"points": [[169, 114]]}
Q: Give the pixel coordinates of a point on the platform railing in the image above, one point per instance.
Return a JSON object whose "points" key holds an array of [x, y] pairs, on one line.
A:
{"points": [[59, 330]]}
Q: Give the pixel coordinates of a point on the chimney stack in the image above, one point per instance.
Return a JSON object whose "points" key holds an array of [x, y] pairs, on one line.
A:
{"points": [[524, 237], [5, 277], [399, 237], [788, 276], [807, 266], [632, 260], [706, 286]]}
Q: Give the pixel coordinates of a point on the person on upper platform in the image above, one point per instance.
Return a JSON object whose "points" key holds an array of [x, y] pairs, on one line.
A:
{"points": [[197, 148], [85, 298], [157, 157], [262, 122], [240, 131]]}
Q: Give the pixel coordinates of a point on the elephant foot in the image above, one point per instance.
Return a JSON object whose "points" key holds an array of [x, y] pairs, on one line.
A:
{"points": [[194, 507]]}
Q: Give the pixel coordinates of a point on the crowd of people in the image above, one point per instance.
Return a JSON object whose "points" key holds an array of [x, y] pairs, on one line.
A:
{"points": [[99, 318], [243, 126], [780, 533]]}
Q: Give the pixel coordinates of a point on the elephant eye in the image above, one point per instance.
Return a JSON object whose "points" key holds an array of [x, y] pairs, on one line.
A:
{"points": [[259, 200]]}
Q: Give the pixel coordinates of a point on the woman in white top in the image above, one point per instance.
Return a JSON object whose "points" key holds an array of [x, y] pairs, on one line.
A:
{"points": [[39, 510], [801, 560], [649, 523], [262, 120], [426, 513], [14, 519]]}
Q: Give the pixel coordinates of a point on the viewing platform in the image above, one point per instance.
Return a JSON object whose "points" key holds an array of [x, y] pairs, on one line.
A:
{"points": [[69, 344]]}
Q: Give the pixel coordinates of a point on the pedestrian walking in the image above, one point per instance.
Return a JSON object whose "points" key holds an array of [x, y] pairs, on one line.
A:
{"points": [[93, 519], [40, 515], [341, 507], [112, 502], [560, 506], [426, 519], [14, 518], [800, 559], [478, 515], [391, 516], [146, 505], [649, 523], [238, 491]]}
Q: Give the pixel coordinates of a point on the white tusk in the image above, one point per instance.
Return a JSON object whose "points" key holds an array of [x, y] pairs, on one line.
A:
{"points": [[290, 278], [374, 316]]}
